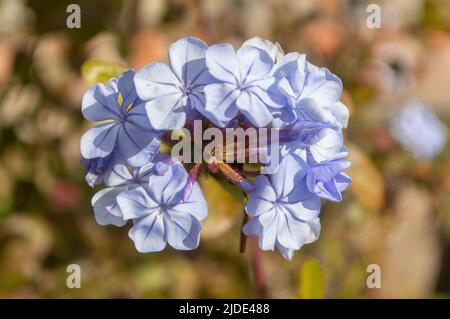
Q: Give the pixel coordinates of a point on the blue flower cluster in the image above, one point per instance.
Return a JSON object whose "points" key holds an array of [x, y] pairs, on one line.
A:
{"points": [[419, 131], [256, 86]]}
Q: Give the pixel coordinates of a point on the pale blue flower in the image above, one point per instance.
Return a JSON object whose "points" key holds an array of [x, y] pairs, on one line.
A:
{"points": [[322, 149], [284, 213], [119, 178], [313, 92], [314, 142], [244, 85], [171, 92], [327, 180], [96, 168], [274, 50], [419, 131], [124, 127], [161, 215]]}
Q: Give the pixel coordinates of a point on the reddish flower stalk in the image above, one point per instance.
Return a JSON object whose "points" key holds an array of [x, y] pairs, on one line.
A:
{"points": [[194, 173], [258, 269], [243, 238]]}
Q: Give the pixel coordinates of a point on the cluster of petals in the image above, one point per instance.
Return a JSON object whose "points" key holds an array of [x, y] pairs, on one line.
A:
{"points": [[257, 85]]}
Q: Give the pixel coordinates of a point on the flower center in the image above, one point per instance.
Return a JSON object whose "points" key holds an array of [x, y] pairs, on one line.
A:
{"points": [[162, 209], [123, 119], [186, 91]]}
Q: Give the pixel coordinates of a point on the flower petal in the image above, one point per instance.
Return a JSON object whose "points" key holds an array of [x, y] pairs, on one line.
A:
{"points": [[314, 232], [328, 190], [167, 112], [137, 146], [311, 110], [220, 103], [106, 209], [262, 199], [126, 88], [100, 103], [327, 145], [283, 117], [306, 209], [254, 64], [332, 189], [136, 203], [274, 50], [343, 181], [252, 227], [137, 115], [195, 205], [182, 230], [167, 188], [155, 80], [321, 85], [329, 170], [99, 141], [287, 253], [269, 228], [254, 109], [222, 63], [287, 175], [289, 64], [267, 91], [148, 233], [340, 112], [291, 233], [182, 56], [118, 173]]}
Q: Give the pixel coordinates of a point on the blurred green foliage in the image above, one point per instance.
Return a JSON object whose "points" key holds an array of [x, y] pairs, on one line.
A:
{"points": [[95, 71], [311, 280]]}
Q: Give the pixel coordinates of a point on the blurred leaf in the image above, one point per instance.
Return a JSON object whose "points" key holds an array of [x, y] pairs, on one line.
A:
{"points": [[231, 189], [445, 217], [367, 184], [6, 198], [412, 249], [6, 60], [95, 71], [223, 205], [50, 60], [19, 103], [311, 283], [26, 242]]}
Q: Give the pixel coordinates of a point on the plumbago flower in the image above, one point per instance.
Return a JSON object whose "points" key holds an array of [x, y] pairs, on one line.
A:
{"points": [[245, 85], [315, 133], [161, 215], [119, 178], [321, 147], [257, 86], [416, 118], [172, 92], [123, 129], [284, 211]]}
